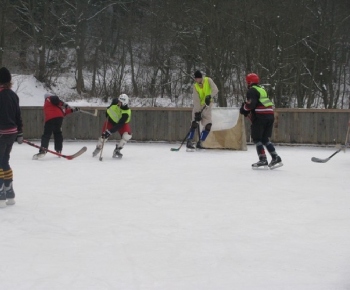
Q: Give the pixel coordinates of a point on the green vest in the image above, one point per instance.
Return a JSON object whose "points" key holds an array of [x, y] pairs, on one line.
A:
{"points": [[115, 113], [263, 97], [203, 92]]}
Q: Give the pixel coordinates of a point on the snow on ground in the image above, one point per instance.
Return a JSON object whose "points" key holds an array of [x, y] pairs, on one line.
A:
{"points": [[163, 220], [31, 93]]}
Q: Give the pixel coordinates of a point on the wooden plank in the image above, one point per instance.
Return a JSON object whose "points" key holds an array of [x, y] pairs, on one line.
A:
{"points": [[309, 126]]}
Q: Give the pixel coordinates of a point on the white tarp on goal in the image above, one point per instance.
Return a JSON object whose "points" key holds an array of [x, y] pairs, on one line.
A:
{"points": [[227, 131]]}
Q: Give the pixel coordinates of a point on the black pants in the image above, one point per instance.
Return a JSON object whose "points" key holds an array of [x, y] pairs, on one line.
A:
{"points": [[6, 143], [53, 126], [261, 129]]}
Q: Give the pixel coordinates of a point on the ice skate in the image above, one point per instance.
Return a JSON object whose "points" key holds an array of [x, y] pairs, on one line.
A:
{"points": [[96, 151], [10, 195], [275, 162], [39, 155], [189, 146], [261, 164], [199, 145], [116, 153], [2, 197], [98, 146]]}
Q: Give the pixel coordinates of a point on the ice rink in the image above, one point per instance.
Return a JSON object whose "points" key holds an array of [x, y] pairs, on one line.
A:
{"points": [[163, 220]]}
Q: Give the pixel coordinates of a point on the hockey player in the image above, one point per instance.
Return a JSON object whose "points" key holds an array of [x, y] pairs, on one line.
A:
{"points": [[10, 131], [259, 108], [54, 112], [118, 117], [203, 90]]}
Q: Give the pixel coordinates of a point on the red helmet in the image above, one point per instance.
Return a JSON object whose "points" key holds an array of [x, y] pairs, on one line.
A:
{"points": [[252, 79]]}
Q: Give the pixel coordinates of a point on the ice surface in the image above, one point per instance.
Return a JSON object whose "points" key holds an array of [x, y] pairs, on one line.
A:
{"points": [[165, 220]]}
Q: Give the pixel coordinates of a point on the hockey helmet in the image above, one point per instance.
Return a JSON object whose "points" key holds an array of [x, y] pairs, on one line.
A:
{"points": [[252, 78], [124, 99]]}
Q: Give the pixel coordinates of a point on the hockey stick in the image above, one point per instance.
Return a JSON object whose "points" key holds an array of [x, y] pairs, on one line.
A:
{"points": [[105, 126], [342, 148], [68, 157], [103, 145], [319, 160], [183, 141], [199, 132], [89, 113]]}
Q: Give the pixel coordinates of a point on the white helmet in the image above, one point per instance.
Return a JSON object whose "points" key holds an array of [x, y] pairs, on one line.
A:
{"points": [[124, 99]]}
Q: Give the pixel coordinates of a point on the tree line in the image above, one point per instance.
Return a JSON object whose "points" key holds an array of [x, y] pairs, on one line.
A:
{"points": [[150, 48]]}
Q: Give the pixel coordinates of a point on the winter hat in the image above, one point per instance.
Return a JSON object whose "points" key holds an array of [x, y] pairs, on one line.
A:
{"points": [[198, 75], [5, 76], [48, 95]]}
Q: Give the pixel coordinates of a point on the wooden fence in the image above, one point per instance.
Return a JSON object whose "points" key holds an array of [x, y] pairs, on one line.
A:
{"points": [[300, 126]]}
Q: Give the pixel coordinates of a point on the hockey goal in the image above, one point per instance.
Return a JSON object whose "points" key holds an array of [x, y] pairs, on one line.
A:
{"points": [[227, 131]]}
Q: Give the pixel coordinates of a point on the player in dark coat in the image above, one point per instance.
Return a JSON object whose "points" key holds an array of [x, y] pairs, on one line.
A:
{"points": [[10, 131], [259, 109]]}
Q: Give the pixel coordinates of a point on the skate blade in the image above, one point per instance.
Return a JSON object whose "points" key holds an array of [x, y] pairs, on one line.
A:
{"points": [[95, 153], [276, 166], [36, 157], [264, 167], [10, 201], [190, 150]]}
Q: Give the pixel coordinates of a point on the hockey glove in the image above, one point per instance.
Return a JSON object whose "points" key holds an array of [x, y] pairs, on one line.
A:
{"points": [[208, 100], [106, 134], [243, 112], [197, 116], [75, 109], [19, 138]]}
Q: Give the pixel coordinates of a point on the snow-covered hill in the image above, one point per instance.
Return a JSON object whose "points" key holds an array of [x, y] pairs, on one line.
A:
{"points": [[31, 93]]}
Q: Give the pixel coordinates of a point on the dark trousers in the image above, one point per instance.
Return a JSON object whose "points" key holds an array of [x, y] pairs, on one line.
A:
{"points": [[53, 126], [6, 143], [261, 129]]}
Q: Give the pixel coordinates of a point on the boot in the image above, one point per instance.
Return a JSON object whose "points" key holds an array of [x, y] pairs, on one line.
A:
{"points": [[190, 147], [10, 194], [2, 196], [261, 163], [98, 146], [200, 145], [116, 152], [39, 155], [96, 151], [276, 162]]}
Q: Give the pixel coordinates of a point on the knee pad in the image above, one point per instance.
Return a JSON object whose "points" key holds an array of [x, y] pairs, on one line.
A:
{"points": [[208, 127], [126, 136]]}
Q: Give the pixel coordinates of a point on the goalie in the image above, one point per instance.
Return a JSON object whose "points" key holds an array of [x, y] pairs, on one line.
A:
{"points": [[203, 90]]}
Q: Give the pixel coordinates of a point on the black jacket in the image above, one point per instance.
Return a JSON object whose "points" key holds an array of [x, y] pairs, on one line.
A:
{"points": [[10, 112]]}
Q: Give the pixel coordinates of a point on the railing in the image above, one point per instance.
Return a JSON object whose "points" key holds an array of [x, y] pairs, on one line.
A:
{"points": [[300, 126]]}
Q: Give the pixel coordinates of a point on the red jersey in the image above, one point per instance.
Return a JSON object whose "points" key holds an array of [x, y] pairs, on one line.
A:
{"points": [[55, 108]]}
